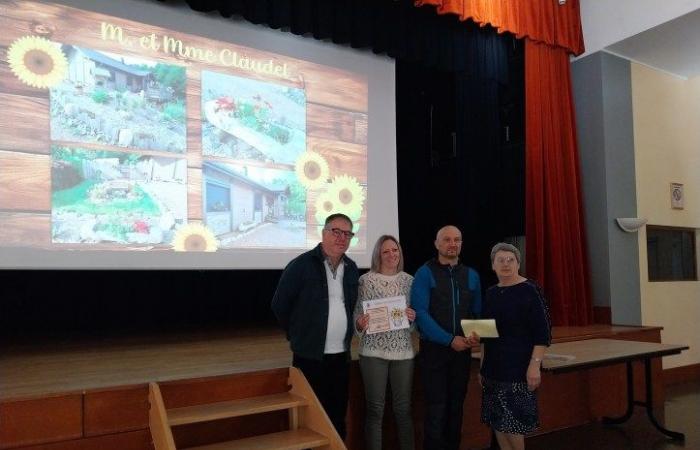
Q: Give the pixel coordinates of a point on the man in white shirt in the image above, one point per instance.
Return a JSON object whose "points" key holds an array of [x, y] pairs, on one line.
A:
{"points": [[314, 301]]}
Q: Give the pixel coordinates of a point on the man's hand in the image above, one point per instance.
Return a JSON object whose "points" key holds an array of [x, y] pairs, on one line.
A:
{"points": [[459, 344]]}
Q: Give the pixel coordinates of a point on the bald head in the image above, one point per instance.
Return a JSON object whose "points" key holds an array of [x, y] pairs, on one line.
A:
{"points": [[448, 243], [445, 229]]}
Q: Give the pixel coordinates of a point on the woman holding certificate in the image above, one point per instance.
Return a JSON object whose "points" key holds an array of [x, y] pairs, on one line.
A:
{"points": [[510, 364], [386, 355]]}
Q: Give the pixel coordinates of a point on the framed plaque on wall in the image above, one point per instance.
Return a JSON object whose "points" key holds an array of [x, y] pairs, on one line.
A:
{"points": [[676, 196]]}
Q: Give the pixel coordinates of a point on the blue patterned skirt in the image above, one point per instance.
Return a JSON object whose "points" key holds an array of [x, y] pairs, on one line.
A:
{"points": [[509, 407]]}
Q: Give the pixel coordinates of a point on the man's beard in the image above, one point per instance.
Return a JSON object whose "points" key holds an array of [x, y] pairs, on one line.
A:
{"points": [[447, 255]]}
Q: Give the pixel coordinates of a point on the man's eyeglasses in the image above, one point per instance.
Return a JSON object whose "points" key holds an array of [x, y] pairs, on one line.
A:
{"points": [[337, 232]]}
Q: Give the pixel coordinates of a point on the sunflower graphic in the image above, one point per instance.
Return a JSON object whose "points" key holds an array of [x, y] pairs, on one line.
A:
{"points": [[324, 207], [347, 195], [194, 237], [312, 170], [37, 62]]}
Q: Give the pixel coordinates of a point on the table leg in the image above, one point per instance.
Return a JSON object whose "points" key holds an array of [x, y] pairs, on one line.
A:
{"points": [[648, 403], [650, 407], [630, 400]]}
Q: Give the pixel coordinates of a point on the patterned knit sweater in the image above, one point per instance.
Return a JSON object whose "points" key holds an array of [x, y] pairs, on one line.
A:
{"points": [[394, 344]]}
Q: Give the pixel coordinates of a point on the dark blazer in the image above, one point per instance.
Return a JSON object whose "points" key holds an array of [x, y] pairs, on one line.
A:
{"points": [[301, 302]]}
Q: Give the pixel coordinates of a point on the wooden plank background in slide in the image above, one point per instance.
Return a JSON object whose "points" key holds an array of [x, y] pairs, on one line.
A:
{"points": [[25, 181], [336, 113], [26, 124]]}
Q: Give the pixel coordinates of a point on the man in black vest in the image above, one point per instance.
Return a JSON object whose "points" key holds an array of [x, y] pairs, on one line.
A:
{"points": [[444, 292]]}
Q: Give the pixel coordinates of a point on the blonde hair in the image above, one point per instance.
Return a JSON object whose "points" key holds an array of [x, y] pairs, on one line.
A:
{"points": [[377, 253]]}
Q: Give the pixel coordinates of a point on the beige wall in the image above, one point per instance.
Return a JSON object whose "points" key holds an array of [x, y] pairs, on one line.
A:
{"points": [[667, 149]]}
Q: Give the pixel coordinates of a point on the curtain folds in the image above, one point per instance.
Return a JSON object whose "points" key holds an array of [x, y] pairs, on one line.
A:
{"points": [[539, 20], [392, 27], [438, 186], [554, 223]]}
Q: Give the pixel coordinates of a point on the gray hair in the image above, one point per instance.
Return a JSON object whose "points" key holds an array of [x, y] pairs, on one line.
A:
{"points": [[334, 216], [505, 247], [377, 253]]}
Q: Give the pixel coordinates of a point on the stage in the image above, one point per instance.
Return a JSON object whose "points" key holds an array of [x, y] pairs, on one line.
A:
{"points": [[76, 364], [82, 363], [94, 390]]}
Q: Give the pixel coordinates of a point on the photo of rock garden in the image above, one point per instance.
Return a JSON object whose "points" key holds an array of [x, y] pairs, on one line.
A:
{"points": [[100, 196], [250, 119], [254, 207], [106, 98]]}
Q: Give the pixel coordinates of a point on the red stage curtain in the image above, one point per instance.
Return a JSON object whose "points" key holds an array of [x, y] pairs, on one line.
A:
{"points": [[539, 20], [554, 224]]}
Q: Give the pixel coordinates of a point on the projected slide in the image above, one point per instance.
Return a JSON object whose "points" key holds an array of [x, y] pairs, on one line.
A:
{"points": [[122, 136], [246, 118], [105, 196], [117, 100]]}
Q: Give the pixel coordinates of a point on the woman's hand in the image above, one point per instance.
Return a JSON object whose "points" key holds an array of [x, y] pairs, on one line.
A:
{"points": [[410, 314], [534, 378], [362, 323], [473, 339]]}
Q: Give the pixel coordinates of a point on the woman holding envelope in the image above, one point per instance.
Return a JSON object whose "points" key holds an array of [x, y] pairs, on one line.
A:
{"points": [[386, 355], [510, 364]]}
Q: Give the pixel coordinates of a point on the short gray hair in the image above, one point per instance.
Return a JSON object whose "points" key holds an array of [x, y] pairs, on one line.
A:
{"points": [[505, 247], [334, 216], [377, 253]]}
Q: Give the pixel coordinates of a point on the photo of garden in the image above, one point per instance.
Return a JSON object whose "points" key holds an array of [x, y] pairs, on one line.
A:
{"points": [[121, 136], [253, 207], [102, 196], [250, 119], [106, 98]]}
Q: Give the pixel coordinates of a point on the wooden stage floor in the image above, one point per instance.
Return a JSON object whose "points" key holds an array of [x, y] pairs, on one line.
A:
{"points": [[63, 365]]}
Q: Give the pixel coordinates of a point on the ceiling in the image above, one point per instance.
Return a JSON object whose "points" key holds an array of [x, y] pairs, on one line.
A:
{"points": [[673, 46]]}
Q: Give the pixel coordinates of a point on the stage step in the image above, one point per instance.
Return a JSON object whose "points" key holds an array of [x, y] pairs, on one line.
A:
{"points": [[285, 440], [233, 408], [308, 424]]}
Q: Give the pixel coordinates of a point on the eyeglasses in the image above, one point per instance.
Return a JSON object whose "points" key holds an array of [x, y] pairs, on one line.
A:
{"points": [[507, 260], [338, 233]]}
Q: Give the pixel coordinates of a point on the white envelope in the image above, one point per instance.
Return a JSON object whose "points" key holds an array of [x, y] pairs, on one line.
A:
{"points": [[483, 327]]}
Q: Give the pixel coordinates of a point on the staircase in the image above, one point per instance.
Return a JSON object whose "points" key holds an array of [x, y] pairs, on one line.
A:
{"points": [[308, 424]]}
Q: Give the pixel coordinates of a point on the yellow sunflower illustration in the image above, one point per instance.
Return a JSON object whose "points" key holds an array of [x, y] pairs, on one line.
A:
{"points": [[312, 170], [347, 195], [194, 237], [324, 208], [353, 215], [36, 61]]}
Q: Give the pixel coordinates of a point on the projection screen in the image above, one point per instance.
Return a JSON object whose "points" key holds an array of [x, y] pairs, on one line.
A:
{"points": [[135, 134]]}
